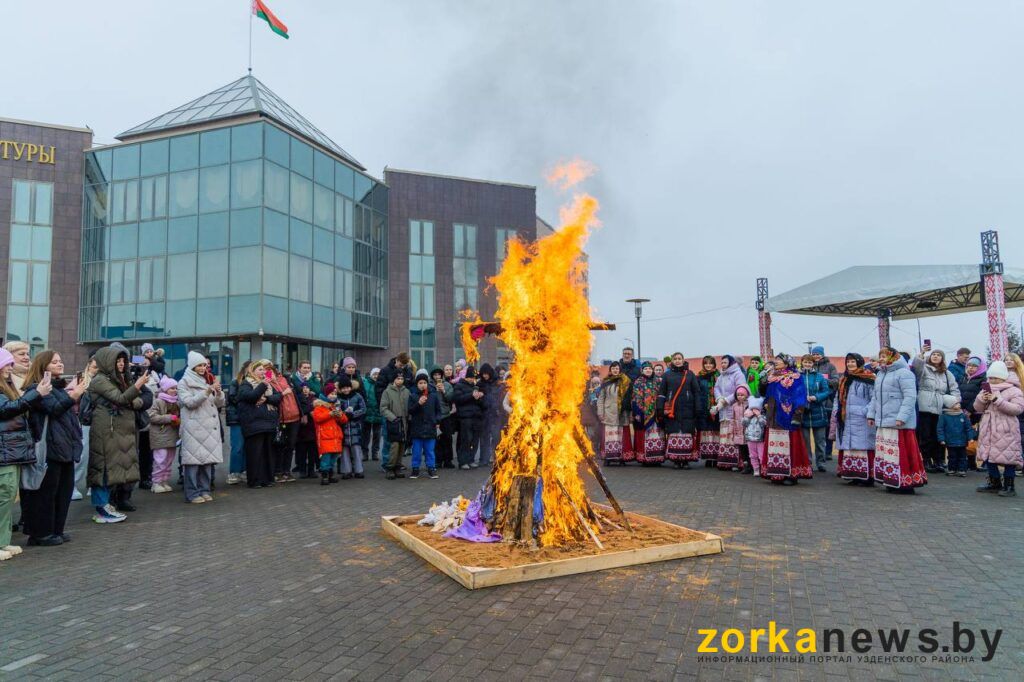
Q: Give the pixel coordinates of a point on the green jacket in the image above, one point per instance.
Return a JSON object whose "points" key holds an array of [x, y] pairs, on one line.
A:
{"points": [[372, 404], [394, 404], [113, 439]]}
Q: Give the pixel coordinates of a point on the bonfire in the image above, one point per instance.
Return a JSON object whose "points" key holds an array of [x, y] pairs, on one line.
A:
{"points": [[536, 494]]}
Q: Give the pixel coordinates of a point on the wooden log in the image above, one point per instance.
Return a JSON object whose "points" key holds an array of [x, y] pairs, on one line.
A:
{"points": [[579, 515], [596, 470], [517, 519]]}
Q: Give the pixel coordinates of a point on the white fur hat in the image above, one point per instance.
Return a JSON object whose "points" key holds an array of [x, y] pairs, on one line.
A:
{"points": [[998, 370], [755, 403]]}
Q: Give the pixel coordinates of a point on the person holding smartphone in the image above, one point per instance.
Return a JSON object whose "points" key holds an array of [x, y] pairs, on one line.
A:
{"points": [[46, 509], [934, 381], [1000, 404], [258, 417], [199, 401]]}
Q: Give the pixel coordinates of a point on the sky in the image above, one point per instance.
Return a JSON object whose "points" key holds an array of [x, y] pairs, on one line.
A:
{"points": [[734, 140]]}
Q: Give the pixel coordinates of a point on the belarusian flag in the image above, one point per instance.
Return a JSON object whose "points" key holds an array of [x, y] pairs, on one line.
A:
{"points": [[260, 9]]}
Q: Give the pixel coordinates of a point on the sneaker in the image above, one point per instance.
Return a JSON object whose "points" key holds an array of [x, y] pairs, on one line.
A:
{"points": [[962, 474], [13, 550], [464, 467], [207, 497], [473, 465], [821, 469], [4, 556], [198, 500], [360, 475], [109, 509], [160, 488], [432, 473], [103, 516], [75, 495], [66, 537], [48, 541], [125, 507], [415, 473], [234, 479]]}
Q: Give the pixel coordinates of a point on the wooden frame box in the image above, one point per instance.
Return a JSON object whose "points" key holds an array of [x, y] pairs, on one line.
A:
{"points": [[475, 577]]}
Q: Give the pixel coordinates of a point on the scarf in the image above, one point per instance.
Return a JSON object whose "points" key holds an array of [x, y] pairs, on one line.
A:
{"points": [[786, 390], [622, 382], [645, 398], [168, 398], [710, 376], [982, 367]]}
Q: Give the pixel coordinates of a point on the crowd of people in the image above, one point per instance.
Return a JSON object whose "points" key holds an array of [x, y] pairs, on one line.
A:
{"points": [[892, 419], [117, 427]]}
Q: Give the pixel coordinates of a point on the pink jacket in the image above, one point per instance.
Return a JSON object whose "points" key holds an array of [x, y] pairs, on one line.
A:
{"points": [[999, 431]]}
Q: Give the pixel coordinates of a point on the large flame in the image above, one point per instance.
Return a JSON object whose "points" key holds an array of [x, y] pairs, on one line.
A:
{"points": [[545, 317]]}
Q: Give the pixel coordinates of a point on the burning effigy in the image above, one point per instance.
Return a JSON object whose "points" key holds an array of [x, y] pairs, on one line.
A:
{"points": [[535, 500]]}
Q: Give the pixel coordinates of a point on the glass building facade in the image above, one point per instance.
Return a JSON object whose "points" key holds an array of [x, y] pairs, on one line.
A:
{"points": [[30, 255], [239, 231]]}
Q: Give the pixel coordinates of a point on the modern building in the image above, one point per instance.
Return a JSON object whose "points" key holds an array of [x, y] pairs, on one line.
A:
{"points": [[234, 226], [40, 234], [448, 236]]}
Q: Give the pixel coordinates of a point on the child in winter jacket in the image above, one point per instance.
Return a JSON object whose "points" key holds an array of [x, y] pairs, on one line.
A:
{"points": [[354, 407], [329, 419], [754, 426], [999, 440], [954, 431], [424, 418], [164, 420]]}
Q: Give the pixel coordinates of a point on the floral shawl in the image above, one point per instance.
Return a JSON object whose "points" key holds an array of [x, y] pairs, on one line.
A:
{"points": [[786, 390], [645, 398]]}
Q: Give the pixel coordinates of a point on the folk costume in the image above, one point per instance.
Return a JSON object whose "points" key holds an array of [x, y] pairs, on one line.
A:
{"points": [[613, 410], [855, 438], [648, 437], [680, 402], [785, 459], [708, 437]]}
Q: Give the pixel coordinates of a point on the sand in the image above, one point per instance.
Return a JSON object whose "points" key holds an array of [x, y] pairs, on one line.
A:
{"points": [[648, 533]]}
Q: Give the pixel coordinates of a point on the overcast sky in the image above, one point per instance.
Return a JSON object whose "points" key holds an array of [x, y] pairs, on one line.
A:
{"points": [[734, 139]]}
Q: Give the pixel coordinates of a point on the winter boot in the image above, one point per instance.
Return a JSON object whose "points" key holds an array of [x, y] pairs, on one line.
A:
{"points": [[325, 478], [1008, 489], [993, 485]]}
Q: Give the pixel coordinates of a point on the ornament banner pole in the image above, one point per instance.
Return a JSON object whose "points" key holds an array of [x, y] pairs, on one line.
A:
{"points": [[995, 295]]}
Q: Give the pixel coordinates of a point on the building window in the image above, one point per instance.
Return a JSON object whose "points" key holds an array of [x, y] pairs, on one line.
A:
{"points": [[466, 276], [422, 320], [31, 246], [501, 240]]}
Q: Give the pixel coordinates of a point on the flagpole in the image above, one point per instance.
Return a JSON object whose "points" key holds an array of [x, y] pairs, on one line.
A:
{"points": [[250, 38]]}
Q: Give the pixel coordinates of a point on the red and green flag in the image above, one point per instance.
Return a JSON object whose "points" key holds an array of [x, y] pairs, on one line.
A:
{"points": [[260, 9]]}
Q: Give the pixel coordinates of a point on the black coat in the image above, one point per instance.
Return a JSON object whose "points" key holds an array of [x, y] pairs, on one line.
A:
{"points": [[423, 419], [64, 433], [17, 445], [467, 407], [705, 420], [681, 394], [231, 405], [388, 374], [969, 391], [493, 395], [255, 419]]}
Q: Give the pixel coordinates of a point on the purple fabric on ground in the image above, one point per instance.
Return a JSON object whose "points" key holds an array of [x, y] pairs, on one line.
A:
{"points": [[472, 528]]}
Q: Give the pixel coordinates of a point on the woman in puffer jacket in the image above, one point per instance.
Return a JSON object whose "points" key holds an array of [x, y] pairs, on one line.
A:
{"points": [[45, 510], [999, 441], [17, 445], [201, 445], [933, 382]]}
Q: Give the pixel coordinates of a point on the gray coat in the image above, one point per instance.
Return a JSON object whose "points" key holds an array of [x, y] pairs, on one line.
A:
{"points": [[200, 421], [894, 397], [856, 433], [932, 385]]}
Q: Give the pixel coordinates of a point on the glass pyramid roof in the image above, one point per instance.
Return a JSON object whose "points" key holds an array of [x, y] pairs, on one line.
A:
{"points": [[244, 96]]}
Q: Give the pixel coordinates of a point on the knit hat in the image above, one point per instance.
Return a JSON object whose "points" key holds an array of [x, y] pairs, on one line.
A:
{"points": [[167, 382], [998, 370], [422, 373], [348, 361], [471, 372], [949, 401], [437, 370], [818, 350], [329, 388], [5, 358], [195, 358], [146, 348], [755, 403]]}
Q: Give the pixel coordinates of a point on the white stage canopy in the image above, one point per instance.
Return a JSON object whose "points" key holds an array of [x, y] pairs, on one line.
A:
{"points": [[899, 291]]}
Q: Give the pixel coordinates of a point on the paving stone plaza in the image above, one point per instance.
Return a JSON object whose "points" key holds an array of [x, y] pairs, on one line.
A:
{"points": [[297, 583]]}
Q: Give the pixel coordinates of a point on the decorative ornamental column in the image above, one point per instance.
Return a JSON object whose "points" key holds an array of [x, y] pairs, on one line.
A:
{"points": [[995, 296], [764, 319], [883, 328]]}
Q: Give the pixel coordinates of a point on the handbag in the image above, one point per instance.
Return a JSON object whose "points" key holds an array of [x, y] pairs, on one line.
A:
{"points": [[32, 474]]}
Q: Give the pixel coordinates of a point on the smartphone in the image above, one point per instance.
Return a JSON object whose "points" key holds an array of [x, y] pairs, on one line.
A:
{"points": [[986, 386], [927, 343], [46, 375]]}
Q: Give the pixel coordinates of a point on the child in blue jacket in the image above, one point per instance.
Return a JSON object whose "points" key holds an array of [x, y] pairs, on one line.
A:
{"points": [[954, 432]]}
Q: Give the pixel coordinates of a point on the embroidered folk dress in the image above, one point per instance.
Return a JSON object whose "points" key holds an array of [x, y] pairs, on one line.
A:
{"points": [[648, 437], [785, 454]]}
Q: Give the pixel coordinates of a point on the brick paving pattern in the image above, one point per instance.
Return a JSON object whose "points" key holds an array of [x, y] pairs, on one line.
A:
{"points": [[298, 583]]}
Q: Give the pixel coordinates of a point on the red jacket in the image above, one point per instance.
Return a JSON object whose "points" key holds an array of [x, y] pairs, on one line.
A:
{"points": [[329, 435]]}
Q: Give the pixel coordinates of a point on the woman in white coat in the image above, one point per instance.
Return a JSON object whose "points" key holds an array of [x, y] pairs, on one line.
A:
{"points": [[200, 398]]}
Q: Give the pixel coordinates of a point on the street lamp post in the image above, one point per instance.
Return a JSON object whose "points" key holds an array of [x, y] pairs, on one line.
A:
{"points": [[638, 308]]}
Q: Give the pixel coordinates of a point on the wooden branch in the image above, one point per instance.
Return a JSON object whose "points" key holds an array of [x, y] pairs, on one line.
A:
{"points": [[517, 521], [596, 470], [609, 522], [579, 515]]}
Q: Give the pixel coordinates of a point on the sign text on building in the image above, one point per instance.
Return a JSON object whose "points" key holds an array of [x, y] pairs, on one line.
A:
{"points": [[9, 149]]}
